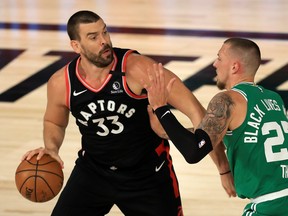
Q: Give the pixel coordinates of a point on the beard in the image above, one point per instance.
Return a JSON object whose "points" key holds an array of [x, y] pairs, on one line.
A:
{"points": [[220, 85], [97, 59]]}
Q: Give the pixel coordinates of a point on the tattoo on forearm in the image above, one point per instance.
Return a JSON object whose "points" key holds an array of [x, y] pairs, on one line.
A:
{"points": [[218, 114]]}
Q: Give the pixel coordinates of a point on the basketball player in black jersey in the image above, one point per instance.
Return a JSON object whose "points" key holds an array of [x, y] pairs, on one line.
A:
{"points": [[122, 161]]}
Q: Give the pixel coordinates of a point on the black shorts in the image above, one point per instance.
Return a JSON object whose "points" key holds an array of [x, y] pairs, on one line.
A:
{"points": [[151, 189]]}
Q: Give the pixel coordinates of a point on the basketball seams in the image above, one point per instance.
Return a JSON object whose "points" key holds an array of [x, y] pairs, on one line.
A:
{"points": [[24, 183], [35, 181], [39, 170], [48, 185], [34, 178], [42, 164]]}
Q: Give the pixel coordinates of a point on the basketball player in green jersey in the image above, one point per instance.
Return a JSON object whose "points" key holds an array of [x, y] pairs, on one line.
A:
{"points": [[252, 121]]}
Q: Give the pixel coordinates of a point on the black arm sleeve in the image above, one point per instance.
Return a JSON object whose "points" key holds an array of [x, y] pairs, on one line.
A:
{"points": [[193, 146]]}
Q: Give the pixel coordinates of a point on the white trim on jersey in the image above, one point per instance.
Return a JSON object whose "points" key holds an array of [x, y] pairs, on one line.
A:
{"points": [[271, 196]]}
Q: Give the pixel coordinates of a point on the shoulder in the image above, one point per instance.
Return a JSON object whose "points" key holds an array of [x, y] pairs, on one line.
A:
{"points": [[221, 99], [137, 66], [135, 60], [273, 94], [226, 103], [229, 97], [230, 105], [56, 82]]}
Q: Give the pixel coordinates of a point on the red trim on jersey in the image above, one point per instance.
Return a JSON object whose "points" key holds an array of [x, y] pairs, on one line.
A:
{"points": [[124, 80], [180, 211], [124, 61], [68, 87], [115, 62], [159, 150], [87, 85]]}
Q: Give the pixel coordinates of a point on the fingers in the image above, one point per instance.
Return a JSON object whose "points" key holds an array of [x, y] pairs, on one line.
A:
{"points": [[150, 110], [151, 114], [61, 163], [230, 192], [170, 84], [28, 155], [228, 185], [155, 75], [155, 85], [57, 158], [160, 78], [146, 85], [40, 152]]}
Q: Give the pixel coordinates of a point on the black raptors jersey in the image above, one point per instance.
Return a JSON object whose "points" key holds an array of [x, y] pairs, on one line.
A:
{"points": [[113, 121]]}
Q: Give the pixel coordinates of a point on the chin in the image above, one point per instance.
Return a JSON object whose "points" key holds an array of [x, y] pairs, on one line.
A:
{"points": [[220, 85]]}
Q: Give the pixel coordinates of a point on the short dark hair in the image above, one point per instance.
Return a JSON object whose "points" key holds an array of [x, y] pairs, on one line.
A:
{"points": [[248, 49], [77, 18]]}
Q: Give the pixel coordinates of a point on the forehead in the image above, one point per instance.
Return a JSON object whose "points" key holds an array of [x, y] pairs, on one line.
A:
{"points": [[224, 49], [86, 28]]}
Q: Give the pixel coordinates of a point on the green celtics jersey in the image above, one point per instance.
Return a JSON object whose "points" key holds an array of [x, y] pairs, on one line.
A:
{"points": [[258, 149]]}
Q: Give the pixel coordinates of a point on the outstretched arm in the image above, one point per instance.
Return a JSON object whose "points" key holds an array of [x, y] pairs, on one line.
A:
{"points": [[208, 134], [194, 146]]}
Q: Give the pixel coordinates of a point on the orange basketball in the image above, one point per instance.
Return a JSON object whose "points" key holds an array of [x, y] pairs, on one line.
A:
{"points": [[39, 181]]}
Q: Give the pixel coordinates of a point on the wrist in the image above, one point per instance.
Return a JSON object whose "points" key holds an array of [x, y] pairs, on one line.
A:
{"points": [[224, 173], [159, 111], [159, 107]]}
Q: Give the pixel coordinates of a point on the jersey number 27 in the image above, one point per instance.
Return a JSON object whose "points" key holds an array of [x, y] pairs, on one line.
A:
{"points": [[277, 140]]}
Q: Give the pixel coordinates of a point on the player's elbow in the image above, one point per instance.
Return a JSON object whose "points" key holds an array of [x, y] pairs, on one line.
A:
{"points": [[197, 151], [194, 158]]}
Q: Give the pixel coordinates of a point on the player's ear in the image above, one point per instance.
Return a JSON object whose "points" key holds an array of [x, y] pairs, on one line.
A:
{"points": [[236, 66], [75, 45]]}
